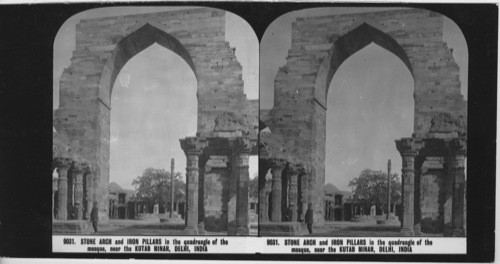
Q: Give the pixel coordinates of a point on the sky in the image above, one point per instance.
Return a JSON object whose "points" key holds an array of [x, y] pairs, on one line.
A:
{"points": [[380, 109], [365, 115], [154, 97]]}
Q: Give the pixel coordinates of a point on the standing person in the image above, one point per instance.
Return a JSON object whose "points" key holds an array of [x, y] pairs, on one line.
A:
{"points": [[94, 216], [309, 218]]}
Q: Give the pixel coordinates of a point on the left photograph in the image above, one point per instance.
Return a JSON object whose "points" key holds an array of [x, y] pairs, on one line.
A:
{"points": [[155, 123]]}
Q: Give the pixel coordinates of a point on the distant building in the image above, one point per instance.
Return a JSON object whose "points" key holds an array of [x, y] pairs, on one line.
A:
{"points": [[335, 201], [118, 202]]}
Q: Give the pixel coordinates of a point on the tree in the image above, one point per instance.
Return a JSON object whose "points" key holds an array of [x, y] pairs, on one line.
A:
{"points": [[153, 186], [371, 187]]}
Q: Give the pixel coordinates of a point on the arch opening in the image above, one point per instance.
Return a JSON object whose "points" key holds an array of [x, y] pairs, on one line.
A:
{"points": [[133, 44], [349, 44], [154, 105], [370, 106]]}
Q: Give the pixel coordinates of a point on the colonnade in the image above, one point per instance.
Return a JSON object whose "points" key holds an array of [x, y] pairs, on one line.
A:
{"points": [[197, 150], [414, 152], [287, 188], [73, 188]]}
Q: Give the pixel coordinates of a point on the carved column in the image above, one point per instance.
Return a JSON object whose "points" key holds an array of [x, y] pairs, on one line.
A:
{"points": [[417, 216], [242, 148], [192, 147], [63, 165], [408, 147], [458, 153], [55, 177], [277, 167], [89, 193], [293, 195], [312, 199], [263, 202], [268, 190], [78, 170], [304, 194], [172, 187], [70, 192], [388, 209], [201, 193]]}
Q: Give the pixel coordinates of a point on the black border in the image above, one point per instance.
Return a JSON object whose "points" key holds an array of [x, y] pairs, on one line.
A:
{"points": [[27, 33]]}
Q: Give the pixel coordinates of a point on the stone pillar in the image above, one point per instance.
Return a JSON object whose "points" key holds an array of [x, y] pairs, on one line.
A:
{"points": [[304, 194], [262, 205], [55, 177], [89, 193], [458, 153], [408, 147], [63, 165], [268, 190], [70, 193], [277, 167], [417, 194], [242, 150], [192, 147], [202, 161], [312, 197], [293, 194], [78, 170], [172, 185], [263, 202], [388, 209]]}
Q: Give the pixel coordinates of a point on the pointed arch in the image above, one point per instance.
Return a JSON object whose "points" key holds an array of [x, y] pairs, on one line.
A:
{"points": [[345, 47], [130, 46]]}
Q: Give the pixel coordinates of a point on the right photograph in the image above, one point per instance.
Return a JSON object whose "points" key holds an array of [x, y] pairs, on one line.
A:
{"points": [[363, 124]]}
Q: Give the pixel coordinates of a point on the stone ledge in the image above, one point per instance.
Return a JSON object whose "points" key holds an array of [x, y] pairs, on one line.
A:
{"points": [[282, 229], [171, 226], [71, 227]]}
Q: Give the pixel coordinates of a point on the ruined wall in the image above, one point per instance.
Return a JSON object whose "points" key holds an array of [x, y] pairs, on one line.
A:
{"points": [[86, 85], [301, 85], [430, 207], [214, 203]]}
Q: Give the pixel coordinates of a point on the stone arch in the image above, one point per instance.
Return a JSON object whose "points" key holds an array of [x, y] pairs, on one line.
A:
{"points": [[135, 42], [345, 47], [320, 44], [103, 45]]}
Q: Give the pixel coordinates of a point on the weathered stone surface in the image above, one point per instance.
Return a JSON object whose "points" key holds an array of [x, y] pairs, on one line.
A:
{"points": [[229, 121], [215, 185], [320, 45], [104, 45], [446, 123], [193, 148], [242, 180]]}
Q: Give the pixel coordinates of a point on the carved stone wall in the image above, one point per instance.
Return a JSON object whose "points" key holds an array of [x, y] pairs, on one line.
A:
{"points": [[104, 45], [321, 44]]}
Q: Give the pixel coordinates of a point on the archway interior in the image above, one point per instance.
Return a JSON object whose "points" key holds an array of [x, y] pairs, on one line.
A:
{"points": [[370, 105], [141, 39], [357, 39], [154, 105]]}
